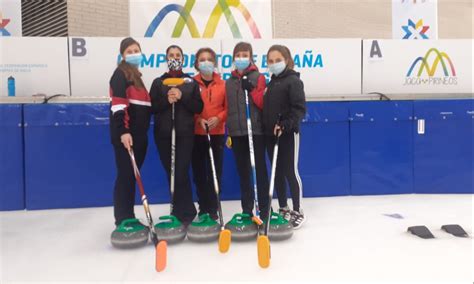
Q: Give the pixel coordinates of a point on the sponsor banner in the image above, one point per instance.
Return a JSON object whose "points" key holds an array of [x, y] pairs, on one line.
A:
{"points": [[327, 67], [417, 67]]}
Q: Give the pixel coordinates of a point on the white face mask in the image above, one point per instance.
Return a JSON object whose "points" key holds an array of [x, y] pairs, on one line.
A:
{"points": [[241, 63], [277, 68], [206, 67]]}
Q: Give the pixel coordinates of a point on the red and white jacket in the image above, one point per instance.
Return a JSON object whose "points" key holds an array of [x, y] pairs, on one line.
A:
{"points": [[130, 107]]}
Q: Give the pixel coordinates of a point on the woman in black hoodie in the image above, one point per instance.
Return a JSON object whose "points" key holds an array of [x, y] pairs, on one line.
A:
{"points": [[188, 102], [285, 96]]}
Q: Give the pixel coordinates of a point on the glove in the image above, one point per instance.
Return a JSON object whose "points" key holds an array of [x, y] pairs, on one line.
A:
{"points": [[246, 85]]}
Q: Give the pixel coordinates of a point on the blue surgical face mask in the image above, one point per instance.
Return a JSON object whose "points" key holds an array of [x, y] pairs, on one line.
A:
{"points": [[134, 59], [277, 68], [206, 67], [241, 63]]}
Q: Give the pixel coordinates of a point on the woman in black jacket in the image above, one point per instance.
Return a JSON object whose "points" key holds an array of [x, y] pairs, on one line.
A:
{"points": [[129, 122], [285, 96], [188, 102]]}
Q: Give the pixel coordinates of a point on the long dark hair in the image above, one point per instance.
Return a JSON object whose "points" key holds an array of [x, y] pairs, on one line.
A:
{"points": [[131, 72]]}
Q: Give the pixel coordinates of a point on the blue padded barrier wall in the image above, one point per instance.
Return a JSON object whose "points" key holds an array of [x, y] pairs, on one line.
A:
{"points": [[346, 148], [12, 196], [68, 156], [157, 186], [230, 179], [381, 147], [444, 153], [70, 160], [324, 163]]}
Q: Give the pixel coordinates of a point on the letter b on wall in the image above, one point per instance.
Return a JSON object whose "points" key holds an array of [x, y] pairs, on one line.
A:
{"points": [[78, 47]]}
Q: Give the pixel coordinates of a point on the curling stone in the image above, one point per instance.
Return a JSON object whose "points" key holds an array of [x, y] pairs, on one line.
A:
{"points": [[242, 228], [130, 234], [203, 229], [280, 229], [172, 230]]}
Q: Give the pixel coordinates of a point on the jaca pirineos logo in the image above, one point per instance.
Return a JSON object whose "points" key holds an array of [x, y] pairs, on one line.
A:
{"points": [[427, 71]]}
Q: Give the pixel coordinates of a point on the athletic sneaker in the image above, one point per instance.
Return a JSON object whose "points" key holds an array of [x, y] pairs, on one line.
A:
{"points": [[297, 219], [285, 212]]}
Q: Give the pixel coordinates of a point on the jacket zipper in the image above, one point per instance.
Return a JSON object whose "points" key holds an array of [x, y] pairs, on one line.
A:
{"points": [[238, 107]]}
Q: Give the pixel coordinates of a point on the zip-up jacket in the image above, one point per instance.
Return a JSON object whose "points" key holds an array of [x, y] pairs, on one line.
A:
{"points": [[285, 95], [130, 110], [236, 107], [215, 104], [185, 108]]}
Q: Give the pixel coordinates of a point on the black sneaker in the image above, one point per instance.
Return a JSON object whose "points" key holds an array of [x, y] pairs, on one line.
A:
{"points": [[285, 212], [297, 219]]}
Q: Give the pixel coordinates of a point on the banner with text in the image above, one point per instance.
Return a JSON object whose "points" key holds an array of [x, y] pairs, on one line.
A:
{"points": [[37, 65], [327, 67], [418, 67]]}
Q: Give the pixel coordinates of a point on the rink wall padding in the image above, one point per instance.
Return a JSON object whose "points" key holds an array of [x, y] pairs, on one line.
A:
{"points": [[62, 156], [324, 158], [381, 142], [444, 155], [12, 189], [68, 156]]}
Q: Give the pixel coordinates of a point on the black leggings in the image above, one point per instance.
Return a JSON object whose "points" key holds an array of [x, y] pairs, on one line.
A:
{"points": [[287, 168], [124, 190], [183, 205], [240, 147], [202, 172]]}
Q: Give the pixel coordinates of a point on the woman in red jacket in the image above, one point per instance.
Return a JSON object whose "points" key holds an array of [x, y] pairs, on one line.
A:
{"points": [[130, 114], [214, 114]]}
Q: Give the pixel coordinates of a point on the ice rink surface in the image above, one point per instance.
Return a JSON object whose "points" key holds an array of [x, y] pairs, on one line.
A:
{"points": [[345, 239]]}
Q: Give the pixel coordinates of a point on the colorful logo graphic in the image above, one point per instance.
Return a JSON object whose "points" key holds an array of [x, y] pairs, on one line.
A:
{"points": [[415, 31], [424, 65], [185, 19], [447, 78], [3, 24]]}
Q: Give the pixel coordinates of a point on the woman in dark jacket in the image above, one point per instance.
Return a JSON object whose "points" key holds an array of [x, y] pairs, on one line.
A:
{"points": [[187, 102], [285, 96], [129, 122], [247, 79]]}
